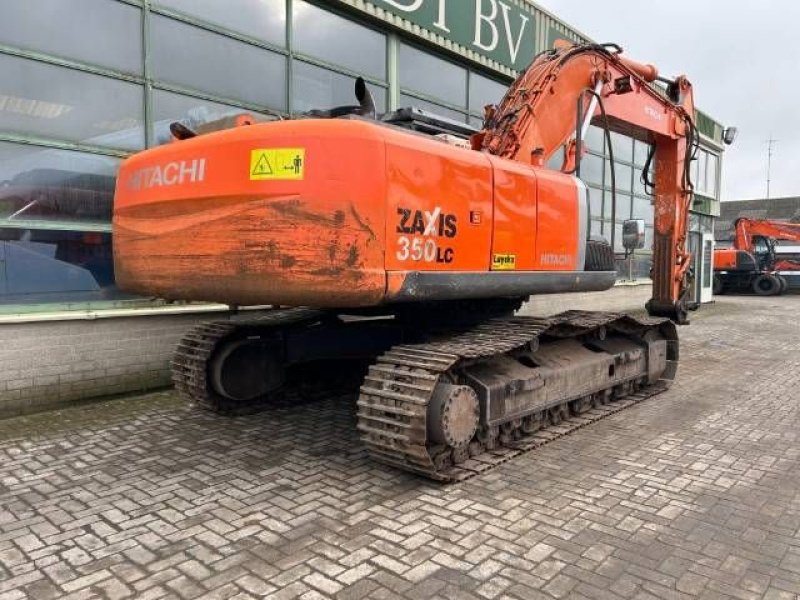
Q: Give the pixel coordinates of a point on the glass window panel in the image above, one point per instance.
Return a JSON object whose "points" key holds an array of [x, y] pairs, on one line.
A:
{"points": [[607, 200], [192, 112], [648, 238], [483, 91], [712, 174], [623, 206], [213, 63], [339, 41], [318, 88], [596, 228], [640, 150], [592, 169], [642, 209], [623, 176], [55, 186], [47, 265], [702, 162], [476, 122], [432, 76], [708, 260], [261, 19], [98, 31], [408, 101], [641, 263], [618, 247], [623, 147], [638, 186], [62, 103], [595, 139], [595, 202]]}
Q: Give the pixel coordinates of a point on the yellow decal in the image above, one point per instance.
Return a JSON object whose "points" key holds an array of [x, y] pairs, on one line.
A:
{"points": [[277, 163], [504, 262]]}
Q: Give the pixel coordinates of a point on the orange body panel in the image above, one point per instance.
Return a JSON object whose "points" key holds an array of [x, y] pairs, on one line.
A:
{"points": [[370, 205], [228, 238], [724, 259], [560, 225], [432, 189], [515, 222]]}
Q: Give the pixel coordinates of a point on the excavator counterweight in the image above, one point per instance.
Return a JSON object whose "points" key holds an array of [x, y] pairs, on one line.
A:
{"points": [[407, 254]]}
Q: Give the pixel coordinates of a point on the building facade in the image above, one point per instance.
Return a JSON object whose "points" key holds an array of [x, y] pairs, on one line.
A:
{"points": [[88, 82]]}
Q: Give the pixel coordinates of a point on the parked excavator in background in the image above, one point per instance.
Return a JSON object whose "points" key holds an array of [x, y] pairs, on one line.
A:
{"points": [[411, 253], [751, 264]]}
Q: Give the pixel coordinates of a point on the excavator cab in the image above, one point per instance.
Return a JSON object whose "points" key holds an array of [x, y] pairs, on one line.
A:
{"points": [[764, 251]]}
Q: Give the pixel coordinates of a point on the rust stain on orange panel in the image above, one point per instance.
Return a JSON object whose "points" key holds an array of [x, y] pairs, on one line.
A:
{"points": [[230, 239]]}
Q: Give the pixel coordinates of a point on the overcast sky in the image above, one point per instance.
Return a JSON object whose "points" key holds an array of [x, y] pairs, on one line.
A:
{"points": [[743, 60]]}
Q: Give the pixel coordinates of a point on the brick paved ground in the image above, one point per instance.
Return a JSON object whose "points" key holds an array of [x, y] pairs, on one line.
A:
{"points": [[693, 493]]}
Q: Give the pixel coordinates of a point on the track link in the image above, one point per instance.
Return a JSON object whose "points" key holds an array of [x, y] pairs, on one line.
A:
{"points": [[190, 362], [393, 403]]}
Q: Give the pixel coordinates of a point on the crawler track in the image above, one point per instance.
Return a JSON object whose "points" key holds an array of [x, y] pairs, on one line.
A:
{"points": [[194, 351], [393, 404], [392, 407]]}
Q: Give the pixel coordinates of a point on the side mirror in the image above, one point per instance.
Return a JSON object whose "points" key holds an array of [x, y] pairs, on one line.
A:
{"points": [[633, 234], [729, 135]]}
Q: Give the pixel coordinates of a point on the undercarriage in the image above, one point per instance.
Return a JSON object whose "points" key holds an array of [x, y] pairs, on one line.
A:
{"points": [[761, 283], [446, 397]]}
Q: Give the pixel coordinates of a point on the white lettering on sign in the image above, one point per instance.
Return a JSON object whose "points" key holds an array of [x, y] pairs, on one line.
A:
{"points": [[173, 173], [489, 19], [480, 19], [498, 28], [441, 21], [414, 6], [513, 48]]}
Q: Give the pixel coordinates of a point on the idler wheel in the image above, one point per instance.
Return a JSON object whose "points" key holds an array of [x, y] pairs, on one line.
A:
{"points": [[453, 415], [246, 369]]}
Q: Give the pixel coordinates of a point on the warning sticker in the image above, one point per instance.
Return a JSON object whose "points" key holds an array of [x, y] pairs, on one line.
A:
{"points": [[504, 262], [277, 163]]}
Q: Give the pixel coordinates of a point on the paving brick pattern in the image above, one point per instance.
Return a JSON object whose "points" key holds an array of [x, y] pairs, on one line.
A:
{"points": [[695, 493]]}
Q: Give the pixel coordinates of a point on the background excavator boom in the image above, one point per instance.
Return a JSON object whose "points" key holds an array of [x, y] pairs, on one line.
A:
{"points": [[745, 229]]}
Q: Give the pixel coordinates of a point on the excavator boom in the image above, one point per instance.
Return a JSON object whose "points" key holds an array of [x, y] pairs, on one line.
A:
{"points": [[544, 110]]}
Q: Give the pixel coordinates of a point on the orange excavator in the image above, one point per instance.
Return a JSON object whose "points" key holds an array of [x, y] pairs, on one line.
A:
{"points": [[409, 252], [751, 264]]}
